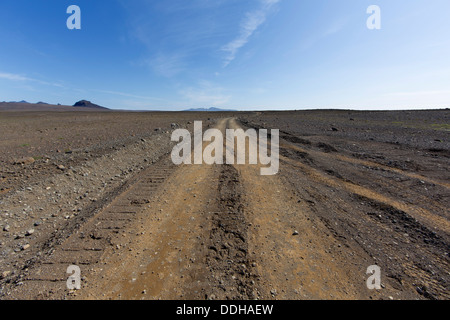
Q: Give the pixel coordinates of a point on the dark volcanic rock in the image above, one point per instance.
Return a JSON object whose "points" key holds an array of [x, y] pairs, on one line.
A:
{"points": [[87, 104]]}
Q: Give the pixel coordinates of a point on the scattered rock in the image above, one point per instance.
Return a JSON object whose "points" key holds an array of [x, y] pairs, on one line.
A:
{"points": [[26, 160], [29, 232], [6, 228]]}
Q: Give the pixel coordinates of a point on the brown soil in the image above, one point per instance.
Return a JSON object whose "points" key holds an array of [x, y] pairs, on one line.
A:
{"points": [[355, 189]]}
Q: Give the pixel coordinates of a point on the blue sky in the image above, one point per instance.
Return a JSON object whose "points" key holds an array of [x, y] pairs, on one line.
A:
{"points": [[240, 54]]}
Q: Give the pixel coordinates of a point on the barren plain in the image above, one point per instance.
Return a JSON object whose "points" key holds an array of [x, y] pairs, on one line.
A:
{"points": [[98, 189]]}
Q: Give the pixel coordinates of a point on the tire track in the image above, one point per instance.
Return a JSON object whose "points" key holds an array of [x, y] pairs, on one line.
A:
{"points": [[406, 239], [293, 255], [304, 159], [46, 278], [226, 232], [228, 259], [197, 250], [293, 140]]}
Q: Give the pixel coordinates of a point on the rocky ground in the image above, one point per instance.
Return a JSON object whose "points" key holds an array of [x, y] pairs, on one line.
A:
{"points": [[98, 190]]}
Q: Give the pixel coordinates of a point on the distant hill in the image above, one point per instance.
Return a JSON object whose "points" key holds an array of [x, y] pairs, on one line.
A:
{"points": [[210, 109], [42, 106], [87, 104], [23, 101]]}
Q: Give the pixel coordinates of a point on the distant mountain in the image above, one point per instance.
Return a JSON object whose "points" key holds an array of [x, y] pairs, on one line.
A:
{"points": [[42, 106], [23, 101], [210, 109], [87, 104]]}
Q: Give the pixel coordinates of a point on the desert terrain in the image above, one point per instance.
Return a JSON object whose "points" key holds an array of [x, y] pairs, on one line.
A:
{"points": [[98, 189]]}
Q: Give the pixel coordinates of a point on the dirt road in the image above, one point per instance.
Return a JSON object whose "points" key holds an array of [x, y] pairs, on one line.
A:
{"points": [[227, 232]]}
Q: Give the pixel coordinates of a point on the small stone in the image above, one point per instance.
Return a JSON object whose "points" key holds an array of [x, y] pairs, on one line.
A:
{"points": [[25, 247], [295, 233], [5, 274], [6, 228], [29, 232], [27, 160]]}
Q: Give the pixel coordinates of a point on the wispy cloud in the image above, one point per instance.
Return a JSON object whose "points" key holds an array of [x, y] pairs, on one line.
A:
{"points": [[18, 77], [13, 77], [167, 65], [333, 28], [175, 33], [124, 94], [253, 20], [206, 94]]}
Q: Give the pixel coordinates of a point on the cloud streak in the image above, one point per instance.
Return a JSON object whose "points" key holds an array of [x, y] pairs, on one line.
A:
{"points": [[17, 77], [206, 93], [190, 30], [14, 77], [253, 20], [124, 94]]}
